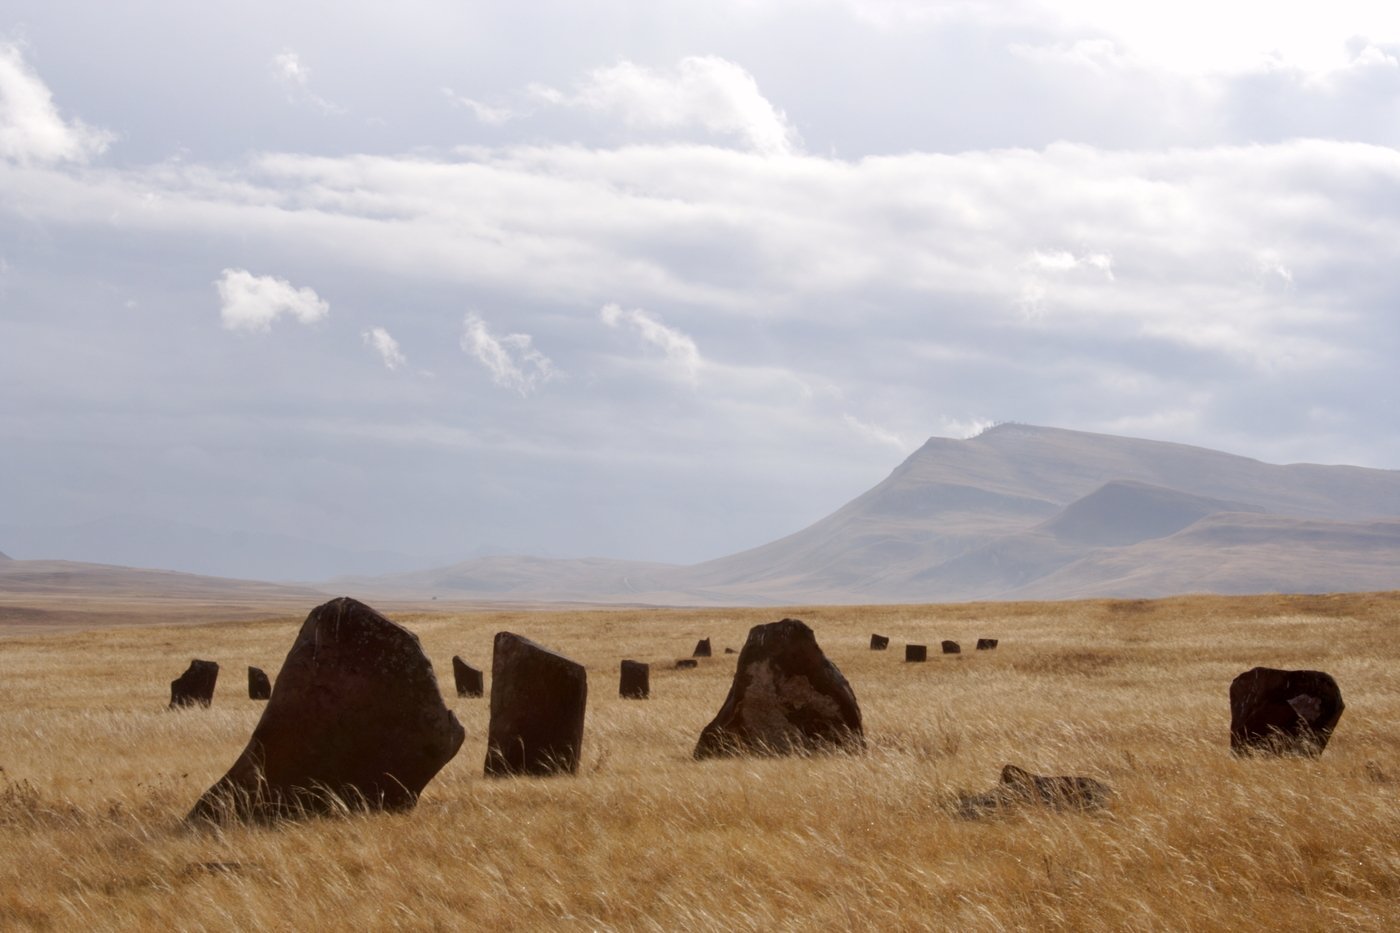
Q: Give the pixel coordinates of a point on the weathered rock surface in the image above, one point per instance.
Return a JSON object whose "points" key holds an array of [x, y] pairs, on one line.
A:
{"points": [[986, 644], [916, 652], [195, 687], [634, 682], [685, 664], [537, 704], [1018, 787], [786, 697], [356, 720], [879, 642], [1283, 712], [468, 679], [702, 649], [951, 647], [259, 687]]}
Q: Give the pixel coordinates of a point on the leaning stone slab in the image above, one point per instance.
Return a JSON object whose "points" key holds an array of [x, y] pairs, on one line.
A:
{"points": [[951, 647], [1019, 788], [468, 679], [1283, 712], [356, 721], [786, 697], [879, 642], [259, 687], [195, 687], [537, 705], [986, 644], [634, 682], [916, 653]]}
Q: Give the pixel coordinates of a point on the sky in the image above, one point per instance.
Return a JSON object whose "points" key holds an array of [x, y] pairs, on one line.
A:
{"points": [[665, 281]]}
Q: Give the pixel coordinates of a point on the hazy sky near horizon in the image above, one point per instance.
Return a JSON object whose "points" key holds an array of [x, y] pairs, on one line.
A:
{"points": [[664, 281]]}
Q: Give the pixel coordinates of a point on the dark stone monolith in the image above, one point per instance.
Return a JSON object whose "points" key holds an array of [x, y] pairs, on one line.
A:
{"points": [[537, 705], [951, 647], [356, 721], [259, 687], [1283, 712], [879, 642], [195, 687], [986, 644], [915, 652], [786, 697], [635, 681], [702, 649], [468, 678]]}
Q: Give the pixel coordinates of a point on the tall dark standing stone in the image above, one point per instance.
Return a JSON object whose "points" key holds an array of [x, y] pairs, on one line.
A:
{"points": [[879, 642], [986, 644], [537, 705], [786, 696], [1283, 711], [195, 687], [468, 678], [915, 652], [951, 647], [356, 720], [259, 687], [702, 649], [635, 681]]}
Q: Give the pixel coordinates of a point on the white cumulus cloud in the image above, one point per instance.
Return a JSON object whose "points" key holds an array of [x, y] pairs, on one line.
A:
{"points": [[295, 76], [252, 302], [386, 346], [31, 129], [512, 360], [702, 91], [679, 347]]}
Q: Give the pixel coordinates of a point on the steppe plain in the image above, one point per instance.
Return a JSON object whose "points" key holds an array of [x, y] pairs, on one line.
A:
{"points": [[96, 776]]}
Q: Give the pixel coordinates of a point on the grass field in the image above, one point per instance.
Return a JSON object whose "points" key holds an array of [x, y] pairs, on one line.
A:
{"points": [[96, 775]]}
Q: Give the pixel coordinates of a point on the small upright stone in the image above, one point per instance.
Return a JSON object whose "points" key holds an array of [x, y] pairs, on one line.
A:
{"points": [[635, 681], [468, 678], [786, 696], [537, 705], [685, 664], [356, 722], [916, 653], [951, 647], [879, 642], [702, 649], [986, 644], [1276, 711], [259, 687], [730, 651], [195, 687]]}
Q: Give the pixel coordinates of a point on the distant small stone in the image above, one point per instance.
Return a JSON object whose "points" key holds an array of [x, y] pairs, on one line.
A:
{"points": [[951, 647], [1283, 712], [538, 699], [916, 652], [195, 687], [702, 649], [879, 642], [634, 682], [259, 687], [1018, 787], [730, 651], [986, 644], [686, 663], [786, 697], [468, 679]]}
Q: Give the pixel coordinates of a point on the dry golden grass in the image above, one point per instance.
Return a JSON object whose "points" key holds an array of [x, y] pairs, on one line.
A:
{"points": [[97, 776]]}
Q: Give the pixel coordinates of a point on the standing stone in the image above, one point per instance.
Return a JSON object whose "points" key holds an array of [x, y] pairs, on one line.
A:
{"points": [[468, 678], [685, 664], [702, 649], [986, 644], [195, 687], [537, 704], [259, 687], [1283, 711], [879, 642], [356, 721], [635, 682], [730, 651], [951, 647], [786, 696], [915, 652]]}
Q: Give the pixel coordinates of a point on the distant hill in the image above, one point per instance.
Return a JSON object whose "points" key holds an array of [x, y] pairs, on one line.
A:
{"points": [[1019, 511], [4, 556], [74, 579]]}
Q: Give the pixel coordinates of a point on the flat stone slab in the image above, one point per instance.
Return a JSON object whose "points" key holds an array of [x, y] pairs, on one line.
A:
{"points": [[538, 699], [879, 642], [915, 653], [634, 680]]}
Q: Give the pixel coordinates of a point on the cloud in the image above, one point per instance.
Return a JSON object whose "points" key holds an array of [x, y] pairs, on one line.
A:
{"points": [[386, 346], [874, 432], [702, 92], [679, 348], [293, 74], [484, 113], [512, 360], [252, 302], [31, 129]]}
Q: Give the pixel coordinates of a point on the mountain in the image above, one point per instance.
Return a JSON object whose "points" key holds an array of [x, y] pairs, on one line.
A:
{"points": [[1019, 512]]}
